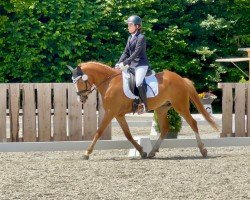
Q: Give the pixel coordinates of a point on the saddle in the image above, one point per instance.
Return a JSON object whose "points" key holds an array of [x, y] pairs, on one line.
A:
{"points": [[134, 89]]}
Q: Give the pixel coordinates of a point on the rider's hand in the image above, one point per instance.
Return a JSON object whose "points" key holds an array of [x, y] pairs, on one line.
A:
{"points": [[117, 65], [123, 67]]}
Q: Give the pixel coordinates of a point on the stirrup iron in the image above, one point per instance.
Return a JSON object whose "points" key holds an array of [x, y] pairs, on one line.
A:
{"points": [[141, 110]]}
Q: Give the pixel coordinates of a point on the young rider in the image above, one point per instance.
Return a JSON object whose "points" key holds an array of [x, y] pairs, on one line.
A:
{"points": [[135, 56]]}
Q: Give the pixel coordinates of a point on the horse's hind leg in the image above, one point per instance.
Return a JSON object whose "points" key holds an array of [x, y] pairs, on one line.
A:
{"points": [[124, 125], [193, 124], [164, 128]]}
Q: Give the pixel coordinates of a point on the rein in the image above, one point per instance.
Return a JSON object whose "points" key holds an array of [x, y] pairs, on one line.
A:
{"points": [[96, 87]]}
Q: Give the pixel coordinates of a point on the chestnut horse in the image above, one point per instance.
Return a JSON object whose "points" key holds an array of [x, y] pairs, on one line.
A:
{"points": [[174, 91]]}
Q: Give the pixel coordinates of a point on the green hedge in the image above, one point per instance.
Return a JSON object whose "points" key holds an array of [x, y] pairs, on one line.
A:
{"points": [[175, 123], [38, 38]]}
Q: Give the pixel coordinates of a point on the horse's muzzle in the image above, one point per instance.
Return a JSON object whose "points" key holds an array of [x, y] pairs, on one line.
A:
{"points": [[83, 98]]}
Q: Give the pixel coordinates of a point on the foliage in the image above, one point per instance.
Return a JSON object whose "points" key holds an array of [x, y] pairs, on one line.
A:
{"points": [[38, 38], [175, 123], [243, 80]]}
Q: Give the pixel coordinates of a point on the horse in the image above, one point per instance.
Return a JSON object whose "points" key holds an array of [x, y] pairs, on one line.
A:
{"points": [[174, 91]]}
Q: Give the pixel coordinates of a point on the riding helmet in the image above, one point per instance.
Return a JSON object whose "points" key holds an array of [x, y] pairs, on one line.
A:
{"points": [[134, 19]]}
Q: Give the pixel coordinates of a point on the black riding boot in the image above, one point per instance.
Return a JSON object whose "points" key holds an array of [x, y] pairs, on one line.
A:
{"points": [[143, 96]]}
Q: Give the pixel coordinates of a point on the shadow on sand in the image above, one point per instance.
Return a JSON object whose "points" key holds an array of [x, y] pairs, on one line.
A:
{"points": [[138, 159], [185, 158]]}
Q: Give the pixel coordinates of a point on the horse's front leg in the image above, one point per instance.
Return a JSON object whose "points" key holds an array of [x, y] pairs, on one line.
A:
{"points": [[124, 125], [106, 120]]}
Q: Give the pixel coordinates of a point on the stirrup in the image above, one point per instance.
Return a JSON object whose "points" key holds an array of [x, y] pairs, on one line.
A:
{"points": [[141, 108]]}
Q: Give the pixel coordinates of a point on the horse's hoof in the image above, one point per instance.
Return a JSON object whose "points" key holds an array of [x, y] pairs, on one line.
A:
{"points": [[143, 155], [151, 155], [85, 157], [204, 153]]}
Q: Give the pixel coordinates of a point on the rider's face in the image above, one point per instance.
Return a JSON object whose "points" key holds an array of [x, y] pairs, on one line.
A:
{"points": [[132, 28]]}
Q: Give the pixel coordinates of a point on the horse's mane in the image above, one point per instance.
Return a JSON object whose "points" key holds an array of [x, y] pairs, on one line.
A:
{"points": [[108, 68]]}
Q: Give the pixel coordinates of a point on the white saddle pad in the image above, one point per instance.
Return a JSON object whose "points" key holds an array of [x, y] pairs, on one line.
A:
{"points": [[150, 80]]}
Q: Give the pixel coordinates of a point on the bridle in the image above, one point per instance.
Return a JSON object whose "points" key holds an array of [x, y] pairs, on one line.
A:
{"points": [[88, 90]]}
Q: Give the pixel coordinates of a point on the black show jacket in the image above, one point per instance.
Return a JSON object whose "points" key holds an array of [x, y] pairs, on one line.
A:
{"points": [[134, 54]]}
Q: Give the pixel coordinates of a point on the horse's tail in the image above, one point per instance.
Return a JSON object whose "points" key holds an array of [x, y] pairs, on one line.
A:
{"points": [[196, 101]]}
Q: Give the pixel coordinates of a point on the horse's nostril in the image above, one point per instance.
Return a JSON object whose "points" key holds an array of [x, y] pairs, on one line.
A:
{"points": [[83, 99]]}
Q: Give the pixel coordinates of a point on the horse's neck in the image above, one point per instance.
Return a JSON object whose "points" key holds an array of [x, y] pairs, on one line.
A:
{"points": [[100, 73]]}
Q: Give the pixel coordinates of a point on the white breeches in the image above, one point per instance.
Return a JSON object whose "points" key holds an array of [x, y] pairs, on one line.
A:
{"points": [[140, 73]]}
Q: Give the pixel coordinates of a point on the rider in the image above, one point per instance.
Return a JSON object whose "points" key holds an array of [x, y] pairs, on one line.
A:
{"points": [[135, 56]]}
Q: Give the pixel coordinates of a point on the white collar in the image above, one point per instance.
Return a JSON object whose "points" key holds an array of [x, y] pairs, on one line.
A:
{"points": [[132, 35]]}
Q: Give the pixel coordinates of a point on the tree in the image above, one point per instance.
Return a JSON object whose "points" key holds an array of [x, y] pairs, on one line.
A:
{"points": [[38, 38]]}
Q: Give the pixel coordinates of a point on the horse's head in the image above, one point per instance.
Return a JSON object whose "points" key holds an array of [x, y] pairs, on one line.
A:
{"points": [[82, 83]]}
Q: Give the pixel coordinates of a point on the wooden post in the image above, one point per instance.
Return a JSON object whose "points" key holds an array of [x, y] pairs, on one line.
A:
{"points": [[29, 113], [227, 109], [14, 99], [248, 109], [60, 107], [248, 54], [74, 114], [240, 108], [3, 109], [44, 111]]}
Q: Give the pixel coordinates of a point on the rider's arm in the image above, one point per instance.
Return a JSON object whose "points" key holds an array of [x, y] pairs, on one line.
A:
{"points": [[125, 53], [141, 43]]}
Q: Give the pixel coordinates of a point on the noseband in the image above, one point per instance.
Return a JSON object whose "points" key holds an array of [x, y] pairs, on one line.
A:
{"points": [[87, 90]]}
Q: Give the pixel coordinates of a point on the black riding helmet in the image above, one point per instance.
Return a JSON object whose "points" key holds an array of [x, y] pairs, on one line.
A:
{"points": [[134, 19]]}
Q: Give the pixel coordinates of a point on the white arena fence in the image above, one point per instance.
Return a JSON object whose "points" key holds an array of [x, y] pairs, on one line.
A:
{"points": [[117, 144]]}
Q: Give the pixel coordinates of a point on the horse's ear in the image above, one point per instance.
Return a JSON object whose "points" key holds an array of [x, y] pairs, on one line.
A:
{"points": [[79, 71], [70, 68]]}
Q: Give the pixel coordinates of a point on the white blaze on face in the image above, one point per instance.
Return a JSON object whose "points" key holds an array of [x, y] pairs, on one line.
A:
{"points": [[78, 97]]}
